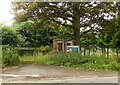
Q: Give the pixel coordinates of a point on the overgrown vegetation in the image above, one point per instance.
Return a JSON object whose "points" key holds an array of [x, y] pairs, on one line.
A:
{"points": [[35, 59], [9, 56], [91, 25], [73, 60]]}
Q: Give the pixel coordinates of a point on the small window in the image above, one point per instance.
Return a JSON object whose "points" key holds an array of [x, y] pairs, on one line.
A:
{"points": [[68, 44], [59, 46]]}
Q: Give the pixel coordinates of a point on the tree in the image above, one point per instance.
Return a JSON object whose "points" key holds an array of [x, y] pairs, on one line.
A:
{"points": [[116, 37], [9, 36], [65, 33], [35, 38], [76, 14]]}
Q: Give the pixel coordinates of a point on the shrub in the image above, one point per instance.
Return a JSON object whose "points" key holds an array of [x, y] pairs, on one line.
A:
{"points": [[10, 37], [45, 49], [10, 56], [65, 59], [84, 62]]}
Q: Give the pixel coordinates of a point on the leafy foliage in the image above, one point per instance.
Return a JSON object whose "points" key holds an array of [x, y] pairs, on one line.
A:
{"points": [[10, 56], [70, 14], [116, 39], [10, 37], [36, 37], [89, 40], [45, 49], [65, 33]]}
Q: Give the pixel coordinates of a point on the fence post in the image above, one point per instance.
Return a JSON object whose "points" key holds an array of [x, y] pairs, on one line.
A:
{"points": [[117, 51], [102, 50], [84, 51]]}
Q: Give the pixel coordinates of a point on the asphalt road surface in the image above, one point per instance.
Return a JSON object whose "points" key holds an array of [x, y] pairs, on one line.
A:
{"points": [[54, 74]]}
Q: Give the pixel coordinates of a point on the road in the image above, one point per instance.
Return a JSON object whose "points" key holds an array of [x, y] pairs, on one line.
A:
{"points": [[54, 74]]}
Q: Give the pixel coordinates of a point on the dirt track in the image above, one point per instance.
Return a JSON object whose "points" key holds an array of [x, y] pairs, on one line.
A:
{"points": [[42, 72]]}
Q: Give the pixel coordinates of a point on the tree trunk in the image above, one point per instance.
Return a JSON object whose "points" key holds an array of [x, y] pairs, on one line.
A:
{"points": [[84, 51], [77, 38], [93, 51], [89, 51], [107, 51], [102, 50], [117, 51], [76, 24]]}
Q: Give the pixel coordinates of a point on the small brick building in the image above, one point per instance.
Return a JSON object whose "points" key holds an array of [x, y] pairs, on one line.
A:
{"points": [[61, 45]]}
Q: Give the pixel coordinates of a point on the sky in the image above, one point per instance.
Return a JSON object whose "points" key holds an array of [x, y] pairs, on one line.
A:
{"points": [[5, 12]]}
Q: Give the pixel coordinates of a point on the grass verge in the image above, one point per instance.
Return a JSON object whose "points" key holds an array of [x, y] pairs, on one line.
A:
{"points": [[74, 60]]}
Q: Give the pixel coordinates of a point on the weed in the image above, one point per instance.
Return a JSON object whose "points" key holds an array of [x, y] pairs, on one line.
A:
{"points": [[74, 60]]}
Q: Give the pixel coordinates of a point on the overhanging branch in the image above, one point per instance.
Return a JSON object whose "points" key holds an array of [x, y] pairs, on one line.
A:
{"points": [[86, 31], [61, 23], [65, 18]]}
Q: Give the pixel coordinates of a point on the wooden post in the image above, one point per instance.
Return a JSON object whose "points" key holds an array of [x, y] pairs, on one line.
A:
{"points": [[55, 46], [107, 51], [63, 45]]}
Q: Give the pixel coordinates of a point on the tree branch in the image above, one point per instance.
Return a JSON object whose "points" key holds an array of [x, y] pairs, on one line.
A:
{"points": [[61, 23], [65, 18], [85, 32]]}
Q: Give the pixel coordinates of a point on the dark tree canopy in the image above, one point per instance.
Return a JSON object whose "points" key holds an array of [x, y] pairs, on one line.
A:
{"points": [[9, 37], [35, 38], [116, 37], [94, 15]]}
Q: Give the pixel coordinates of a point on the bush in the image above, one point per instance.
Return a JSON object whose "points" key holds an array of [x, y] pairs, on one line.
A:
{"points": [[66, 59], [45, 49], [10, 56], [10, 37], [84, 62]]}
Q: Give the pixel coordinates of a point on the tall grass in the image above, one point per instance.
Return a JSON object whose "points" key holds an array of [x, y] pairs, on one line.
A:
{"points": [[93, 62], [36, 59]]}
